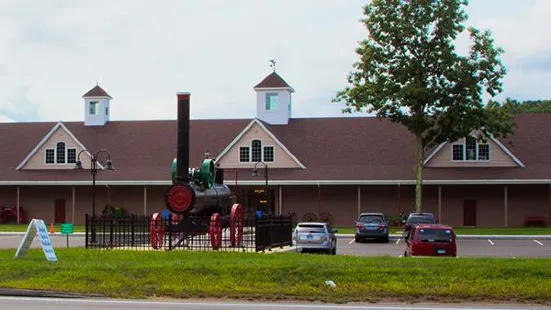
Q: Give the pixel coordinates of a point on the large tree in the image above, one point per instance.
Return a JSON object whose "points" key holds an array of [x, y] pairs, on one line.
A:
{"points": [[410, 73]]}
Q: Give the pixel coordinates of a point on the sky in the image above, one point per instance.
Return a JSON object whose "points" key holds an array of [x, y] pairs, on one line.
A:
{"points": [[144, 52]]}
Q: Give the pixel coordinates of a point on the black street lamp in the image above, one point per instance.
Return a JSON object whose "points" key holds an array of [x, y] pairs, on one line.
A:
{"points": [[94, 171], [255, 174]]}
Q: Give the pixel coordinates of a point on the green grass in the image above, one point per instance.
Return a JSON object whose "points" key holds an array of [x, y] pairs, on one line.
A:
{"points": [[23, 227], [474, 231], [293, 276]]}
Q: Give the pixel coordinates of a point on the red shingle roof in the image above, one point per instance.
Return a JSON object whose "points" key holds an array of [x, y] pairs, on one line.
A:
{"points": [[97, 91], [362, 148], [272, 81]]}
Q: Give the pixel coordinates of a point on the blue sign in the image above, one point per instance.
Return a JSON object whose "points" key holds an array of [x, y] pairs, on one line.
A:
{"points": [[37, 227]]}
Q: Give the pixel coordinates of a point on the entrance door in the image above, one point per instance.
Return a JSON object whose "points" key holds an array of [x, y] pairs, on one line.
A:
{"points": [[469, 213], [59, 211]]}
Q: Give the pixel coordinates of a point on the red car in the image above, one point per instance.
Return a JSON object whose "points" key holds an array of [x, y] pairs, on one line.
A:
{"points": [[431, 240]]}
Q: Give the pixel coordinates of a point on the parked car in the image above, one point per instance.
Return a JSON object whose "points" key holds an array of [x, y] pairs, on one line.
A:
{"points": [[431, 240], [315, 236], [418, 218], [372, 225]]}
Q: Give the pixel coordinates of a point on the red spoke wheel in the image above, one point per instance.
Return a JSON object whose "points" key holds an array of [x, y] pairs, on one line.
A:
{"points": [[215, 231], [236, 225], [156, 231]]}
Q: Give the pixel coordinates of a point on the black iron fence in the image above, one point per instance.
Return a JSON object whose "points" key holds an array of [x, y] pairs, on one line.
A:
{"points": [[136, 232]]}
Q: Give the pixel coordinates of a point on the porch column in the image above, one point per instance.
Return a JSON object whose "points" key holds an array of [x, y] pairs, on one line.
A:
{"points": [[17, 206], [506, 205], [108, 194], [359, 201], [279, 200], [73, 206], [439, 204], [145, 200], [549, 203]]}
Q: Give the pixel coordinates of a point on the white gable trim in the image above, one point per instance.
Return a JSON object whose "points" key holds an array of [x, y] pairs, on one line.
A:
{"points": [[434, 152], [47, 137], [506, 150], [496, 141], [270, 134]]}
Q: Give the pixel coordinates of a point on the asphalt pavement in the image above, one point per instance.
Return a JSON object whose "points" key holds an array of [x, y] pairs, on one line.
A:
{"points": [[477, 246], [506, 248], [14, 303]]}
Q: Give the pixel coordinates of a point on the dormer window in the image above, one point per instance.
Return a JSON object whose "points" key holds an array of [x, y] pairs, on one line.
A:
{"points": [[271, 101], [256, 152], [60, 155], [471, 150], [93, 107]]}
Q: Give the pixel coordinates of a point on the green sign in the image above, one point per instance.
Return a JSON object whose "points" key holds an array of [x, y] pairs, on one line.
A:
{"points": [[67, 228]]}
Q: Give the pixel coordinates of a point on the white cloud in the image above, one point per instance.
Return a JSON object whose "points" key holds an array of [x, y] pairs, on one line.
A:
{"points": [[143, 52]]}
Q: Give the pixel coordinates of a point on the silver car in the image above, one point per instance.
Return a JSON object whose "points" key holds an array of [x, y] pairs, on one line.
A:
{"points": [[316, 236]]}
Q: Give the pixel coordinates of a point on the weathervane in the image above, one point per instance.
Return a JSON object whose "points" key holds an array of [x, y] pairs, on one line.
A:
{"points": [[273, 64]]}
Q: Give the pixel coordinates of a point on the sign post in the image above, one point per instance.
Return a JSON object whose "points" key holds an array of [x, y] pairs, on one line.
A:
{"points": [[66, 229], [36, 227]]}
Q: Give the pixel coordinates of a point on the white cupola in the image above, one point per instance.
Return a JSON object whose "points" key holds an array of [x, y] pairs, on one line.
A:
{"points": [[96, 107], [273, 100]]}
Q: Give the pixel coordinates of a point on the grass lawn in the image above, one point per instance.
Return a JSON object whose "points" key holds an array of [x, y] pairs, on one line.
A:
{"points": [[293, 276], [474, 231], [23, 227]]}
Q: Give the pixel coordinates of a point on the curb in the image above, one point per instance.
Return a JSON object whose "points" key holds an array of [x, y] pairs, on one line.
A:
{"points": [[472, 237], [48, 294]]}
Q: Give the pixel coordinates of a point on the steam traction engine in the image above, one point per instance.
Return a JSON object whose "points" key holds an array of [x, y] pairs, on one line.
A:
{"points": [[198, 198]]}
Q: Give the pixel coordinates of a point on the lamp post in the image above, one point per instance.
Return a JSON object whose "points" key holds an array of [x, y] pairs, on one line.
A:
{"points": [[255, 174], [94, 171]]}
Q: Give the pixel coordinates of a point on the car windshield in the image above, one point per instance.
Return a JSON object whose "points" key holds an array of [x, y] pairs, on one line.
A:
{"points": [[434, 235], [310, 228], [371, 219], [420, 220]]}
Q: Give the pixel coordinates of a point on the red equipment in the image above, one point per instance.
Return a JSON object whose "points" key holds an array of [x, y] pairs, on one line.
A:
{"points": [[196, 196]]}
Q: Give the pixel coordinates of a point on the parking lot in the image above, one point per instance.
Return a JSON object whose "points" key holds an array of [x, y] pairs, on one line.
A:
{"points": [[347, 246], [465, 248]]}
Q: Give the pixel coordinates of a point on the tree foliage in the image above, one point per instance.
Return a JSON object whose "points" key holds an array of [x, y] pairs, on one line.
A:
{"points": [[526, 107], [410, 73]]}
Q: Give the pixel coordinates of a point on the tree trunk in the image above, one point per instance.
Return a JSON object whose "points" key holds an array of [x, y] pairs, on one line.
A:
{"points": [[419, 180]]}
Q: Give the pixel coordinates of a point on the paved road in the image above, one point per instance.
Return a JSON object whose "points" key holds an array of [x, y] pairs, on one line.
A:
{"points": [[465, 248], [13, 303], [58, 241]]}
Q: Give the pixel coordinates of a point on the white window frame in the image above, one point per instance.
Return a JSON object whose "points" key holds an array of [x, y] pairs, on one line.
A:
{"points": [[464, 144], [268, 96], [264, 155], [96, 107], [239, 154], [46, 155], [55, 155]]}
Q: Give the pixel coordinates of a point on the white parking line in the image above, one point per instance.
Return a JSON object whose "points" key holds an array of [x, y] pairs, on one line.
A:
{"points": [[536, 241], [351, 241], [398, 241], [490, 242]]}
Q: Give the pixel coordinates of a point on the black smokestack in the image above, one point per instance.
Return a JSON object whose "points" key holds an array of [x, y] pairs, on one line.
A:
{"points": [[182, 153]]}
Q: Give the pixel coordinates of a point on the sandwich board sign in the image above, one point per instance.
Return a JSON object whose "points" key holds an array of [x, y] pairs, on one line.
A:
{"points": [[37, 227]]}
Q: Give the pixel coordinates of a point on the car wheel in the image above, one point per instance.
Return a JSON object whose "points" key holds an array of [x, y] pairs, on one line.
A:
{"points": [[385, 239], [357, 240]]}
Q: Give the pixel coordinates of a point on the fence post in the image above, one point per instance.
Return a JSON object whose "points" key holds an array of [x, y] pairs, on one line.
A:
{"points": [[132, 229], [86, 231], [169, 233]]}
